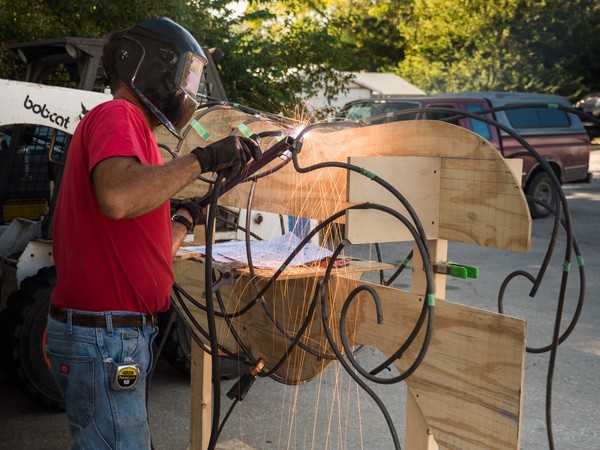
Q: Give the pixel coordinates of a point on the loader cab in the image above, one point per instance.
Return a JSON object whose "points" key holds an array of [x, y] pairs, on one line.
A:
{"points": [[62, 80], [28, 152], [32, 154]]}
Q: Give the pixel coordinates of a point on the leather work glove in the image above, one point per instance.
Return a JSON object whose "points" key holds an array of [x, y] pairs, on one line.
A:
{"points": [[197, 212], [229, 154]]}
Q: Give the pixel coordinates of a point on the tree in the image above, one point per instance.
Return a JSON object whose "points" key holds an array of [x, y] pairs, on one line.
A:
{"points": [[286, 51], [209, 21], [280, 51], [523, 45]]}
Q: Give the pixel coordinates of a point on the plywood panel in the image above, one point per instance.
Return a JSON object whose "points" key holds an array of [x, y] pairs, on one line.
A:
{"points": [[416, 178], [468, 387], [480, 199]]}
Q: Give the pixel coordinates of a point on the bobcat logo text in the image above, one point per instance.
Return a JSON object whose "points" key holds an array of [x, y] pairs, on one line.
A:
{"points": [[43, 111]]}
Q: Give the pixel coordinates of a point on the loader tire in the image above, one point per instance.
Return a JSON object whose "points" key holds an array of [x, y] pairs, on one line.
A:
{"points": [[177, 349], [23, 339]]}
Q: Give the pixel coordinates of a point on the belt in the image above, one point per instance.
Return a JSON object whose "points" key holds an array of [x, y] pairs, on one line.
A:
{"points": [[98, 321]]}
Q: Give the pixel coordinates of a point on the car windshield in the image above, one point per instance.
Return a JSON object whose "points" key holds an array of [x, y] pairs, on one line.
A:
{"points": [[365, 110]]}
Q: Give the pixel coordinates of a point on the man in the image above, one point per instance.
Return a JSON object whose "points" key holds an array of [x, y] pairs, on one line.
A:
{"points": [[114, 239]]}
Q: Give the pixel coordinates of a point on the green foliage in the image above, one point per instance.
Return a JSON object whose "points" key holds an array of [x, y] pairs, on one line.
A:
{"points": [[24, 21], [521, 45], [281, 51]]}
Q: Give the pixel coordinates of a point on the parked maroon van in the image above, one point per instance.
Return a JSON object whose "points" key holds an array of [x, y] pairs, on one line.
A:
{"points": [[556, 135]]}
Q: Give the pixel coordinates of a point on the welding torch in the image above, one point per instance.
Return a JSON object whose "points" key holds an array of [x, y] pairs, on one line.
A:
{"points": [[279, 150]]}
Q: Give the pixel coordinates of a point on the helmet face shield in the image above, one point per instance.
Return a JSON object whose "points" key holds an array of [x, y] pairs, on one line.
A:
{"points": [[190, 73]]}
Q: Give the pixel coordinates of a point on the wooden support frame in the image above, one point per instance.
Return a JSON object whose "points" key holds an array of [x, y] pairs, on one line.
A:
{"points": [[463, 191]]}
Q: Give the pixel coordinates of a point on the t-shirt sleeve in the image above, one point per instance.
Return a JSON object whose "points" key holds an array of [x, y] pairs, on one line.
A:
{"points": [[116, 131]]}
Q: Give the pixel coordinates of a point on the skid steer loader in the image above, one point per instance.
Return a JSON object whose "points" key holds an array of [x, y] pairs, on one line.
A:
{"points": [[38, 117]]}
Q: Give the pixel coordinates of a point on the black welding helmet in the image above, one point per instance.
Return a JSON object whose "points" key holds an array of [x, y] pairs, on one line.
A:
{"points": [[162, 63]]}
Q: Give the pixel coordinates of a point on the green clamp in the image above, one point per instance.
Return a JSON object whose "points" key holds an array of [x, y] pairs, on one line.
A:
{"points": [[456, 270]]}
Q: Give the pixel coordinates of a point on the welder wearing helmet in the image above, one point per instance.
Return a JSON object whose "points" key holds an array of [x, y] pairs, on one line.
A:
{"points": [[114, 237]]}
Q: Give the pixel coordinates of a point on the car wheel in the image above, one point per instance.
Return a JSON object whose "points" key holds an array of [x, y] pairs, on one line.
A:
{"points": [[540, 189]]}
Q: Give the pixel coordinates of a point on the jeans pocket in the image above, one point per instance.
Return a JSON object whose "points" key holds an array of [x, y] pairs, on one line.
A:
{"points": [[74, 376], [130, 345], [136, 347]]}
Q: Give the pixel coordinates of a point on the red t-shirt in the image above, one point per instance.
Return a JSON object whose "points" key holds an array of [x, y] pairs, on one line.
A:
{"points": [[104, 264]]}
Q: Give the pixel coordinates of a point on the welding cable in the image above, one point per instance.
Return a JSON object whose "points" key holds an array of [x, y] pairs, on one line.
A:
{"points": [[186, 316], [226, 417], [210, 314], [531, 278], [294, 341], [308, 319], [556, 336], [278, 272], [189, 321], [195, 325], [322, 288], [262, 290], [559, 198], [562, 201], [429, 292], [306, 322], [244, 348], [373, 177], [426, 311], [541, 160], [419, 236], [345, 166], [552, 362], [567, 223], [298, 139], [168, 150], [403, 265], [556, 211]]}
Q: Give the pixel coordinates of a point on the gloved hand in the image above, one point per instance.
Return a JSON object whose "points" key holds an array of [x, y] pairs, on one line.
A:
{"points": [[229, 154], [197, 212]]}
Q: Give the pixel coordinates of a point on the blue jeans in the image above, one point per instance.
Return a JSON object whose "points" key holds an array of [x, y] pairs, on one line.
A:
{"points": [[84, 361]]}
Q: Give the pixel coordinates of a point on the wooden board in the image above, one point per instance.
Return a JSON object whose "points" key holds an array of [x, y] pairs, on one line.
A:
{"points": [[417, 178], [480, 198], [468, 390], [469, 386], [289, 298]]}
